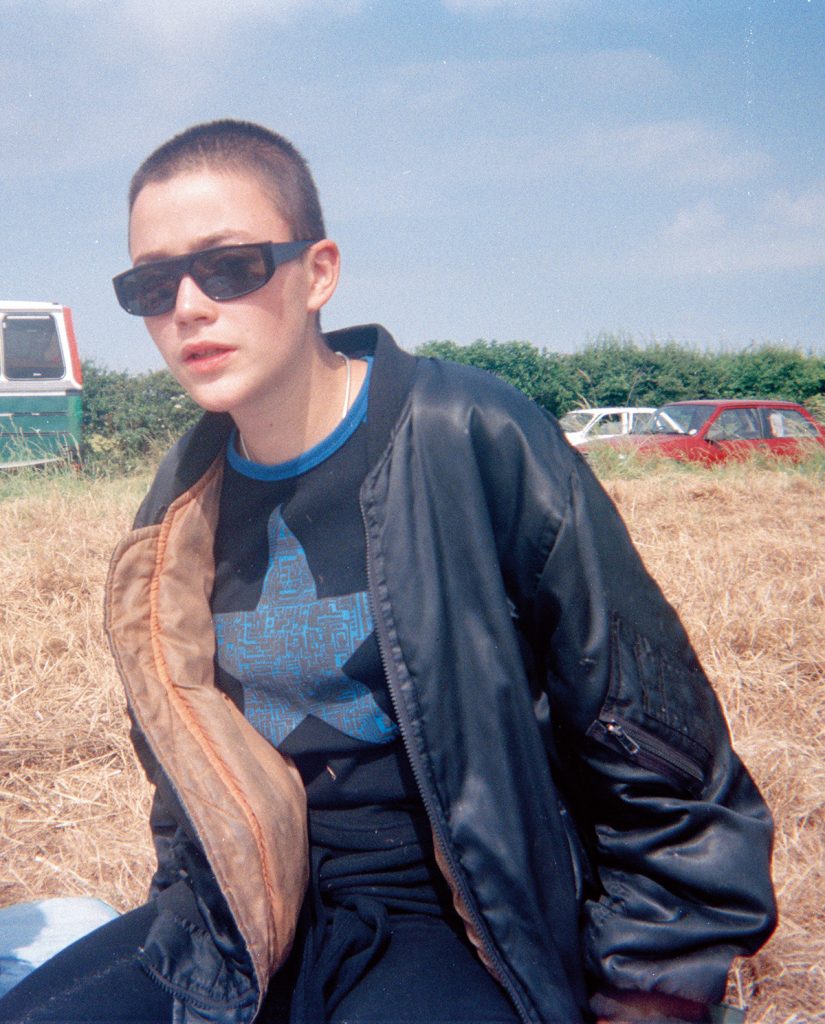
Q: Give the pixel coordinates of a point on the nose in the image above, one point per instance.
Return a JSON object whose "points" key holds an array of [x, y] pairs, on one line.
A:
{"points": [[193, 304]]}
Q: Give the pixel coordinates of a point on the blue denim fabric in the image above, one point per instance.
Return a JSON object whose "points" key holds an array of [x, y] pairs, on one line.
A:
{"points": [[31, 933]]}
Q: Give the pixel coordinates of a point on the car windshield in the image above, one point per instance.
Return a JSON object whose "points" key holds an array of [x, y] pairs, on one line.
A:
{"points": [[678, 419], [575, 420]]}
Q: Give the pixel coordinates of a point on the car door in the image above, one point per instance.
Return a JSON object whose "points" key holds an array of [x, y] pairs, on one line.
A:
{"points": [[733, 434], [637, 421], [609, 424], [784, 430]]}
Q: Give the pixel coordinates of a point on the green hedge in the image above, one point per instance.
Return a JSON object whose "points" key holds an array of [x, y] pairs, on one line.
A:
{"points": [[130, 418], [616, 371]]}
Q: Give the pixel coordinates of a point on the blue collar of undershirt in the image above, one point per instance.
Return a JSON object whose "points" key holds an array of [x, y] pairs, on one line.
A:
{"points": [[315, 455]]}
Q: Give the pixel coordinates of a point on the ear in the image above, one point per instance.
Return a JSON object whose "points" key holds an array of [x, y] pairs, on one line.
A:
{"points": [[323, 263]]}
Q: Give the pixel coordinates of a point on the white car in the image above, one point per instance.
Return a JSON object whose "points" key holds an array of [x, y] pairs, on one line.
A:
{"points": [[580, 425]]}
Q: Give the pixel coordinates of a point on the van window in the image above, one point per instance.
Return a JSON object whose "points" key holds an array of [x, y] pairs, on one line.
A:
{"points": [[31, 348]]}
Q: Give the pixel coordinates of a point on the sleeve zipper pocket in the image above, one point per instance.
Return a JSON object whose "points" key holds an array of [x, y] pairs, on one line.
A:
{"points": [[649, 751]]}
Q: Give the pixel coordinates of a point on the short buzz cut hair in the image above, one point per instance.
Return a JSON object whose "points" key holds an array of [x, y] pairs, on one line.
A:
{"points": [[241, 146]]}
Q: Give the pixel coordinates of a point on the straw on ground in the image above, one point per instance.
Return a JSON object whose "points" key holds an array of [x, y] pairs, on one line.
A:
{"points": [[740, 553]]}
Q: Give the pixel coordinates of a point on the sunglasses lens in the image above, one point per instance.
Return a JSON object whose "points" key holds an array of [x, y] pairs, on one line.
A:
{"points": [[230, 273], [147, 291]]}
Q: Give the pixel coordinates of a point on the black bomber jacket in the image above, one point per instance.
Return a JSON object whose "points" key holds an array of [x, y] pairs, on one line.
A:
{"points": [[595, 826]]}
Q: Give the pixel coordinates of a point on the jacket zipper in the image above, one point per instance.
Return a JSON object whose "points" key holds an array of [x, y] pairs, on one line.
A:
{"points": [[447, 858], [646, 749]]}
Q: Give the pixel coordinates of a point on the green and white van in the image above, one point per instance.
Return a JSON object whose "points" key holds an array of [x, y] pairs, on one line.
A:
{"points": [[40, 385]]}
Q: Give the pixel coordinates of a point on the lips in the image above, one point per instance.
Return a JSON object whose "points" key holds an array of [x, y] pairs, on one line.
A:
{"points": [[204, 355]]}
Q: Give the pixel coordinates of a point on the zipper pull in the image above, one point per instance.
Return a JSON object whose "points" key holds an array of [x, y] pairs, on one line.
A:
{"points": [[621, 737]]}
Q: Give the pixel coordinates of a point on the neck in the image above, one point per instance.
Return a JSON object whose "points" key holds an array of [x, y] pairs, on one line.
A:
{"points": [[303, 412]]}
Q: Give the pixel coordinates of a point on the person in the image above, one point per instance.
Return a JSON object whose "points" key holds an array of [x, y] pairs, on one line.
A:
{"points": [[428, 742]]}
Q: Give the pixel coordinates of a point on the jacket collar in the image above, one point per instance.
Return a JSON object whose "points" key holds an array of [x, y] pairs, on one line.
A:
{"points": [[393, 371]]}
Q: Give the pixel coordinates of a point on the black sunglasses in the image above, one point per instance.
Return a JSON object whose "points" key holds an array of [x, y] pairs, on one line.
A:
{"points": [[223, 272]]}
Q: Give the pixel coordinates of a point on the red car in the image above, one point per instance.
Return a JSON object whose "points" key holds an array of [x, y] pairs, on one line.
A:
{"points": [[714, 430]]}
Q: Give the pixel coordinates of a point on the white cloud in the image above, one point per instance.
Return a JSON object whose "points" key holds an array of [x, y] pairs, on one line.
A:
{"points": [[198, 9], [676, 152], [175, 25], [700, 219], [541, 8], [743, 252], [614, 70], [803, 211], [773, 232], [555, 87], [183, 28], [113, 77]]}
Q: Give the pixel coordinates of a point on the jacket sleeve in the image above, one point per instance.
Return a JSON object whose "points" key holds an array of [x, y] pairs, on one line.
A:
{"points": [[680, 834]]}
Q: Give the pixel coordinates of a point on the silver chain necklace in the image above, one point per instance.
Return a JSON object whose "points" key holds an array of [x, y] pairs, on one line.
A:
{"points": [[344, 410]]}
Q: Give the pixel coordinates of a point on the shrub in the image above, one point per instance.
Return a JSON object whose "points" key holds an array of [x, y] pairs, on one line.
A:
{"points": [[617, 371], [542, 376], [127, 418], [771, 372]]}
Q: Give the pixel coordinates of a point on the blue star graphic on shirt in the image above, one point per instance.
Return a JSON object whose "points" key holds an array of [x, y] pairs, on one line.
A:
{"points": [[288, 653]]}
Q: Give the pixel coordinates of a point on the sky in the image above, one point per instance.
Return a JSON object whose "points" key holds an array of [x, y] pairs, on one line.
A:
{"points": [[536, 170]]}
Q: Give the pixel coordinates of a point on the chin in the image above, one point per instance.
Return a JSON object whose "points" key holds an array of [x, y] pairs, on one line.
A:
{"points": [[209, 400]]}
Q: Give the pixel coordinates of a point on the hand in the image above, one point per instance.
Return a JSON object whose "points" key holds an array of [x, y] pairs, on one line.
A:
{"points": [[620, 1007]]}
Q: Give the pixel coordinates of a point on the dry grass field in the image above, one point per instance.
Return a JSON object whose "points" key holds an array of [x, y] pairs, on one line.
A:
{"points": [[740, 552]]}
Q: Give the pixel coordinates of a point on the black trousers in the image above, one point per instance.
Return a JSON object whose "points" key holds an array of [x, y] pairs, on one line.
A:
{"points": [[420, 969]]}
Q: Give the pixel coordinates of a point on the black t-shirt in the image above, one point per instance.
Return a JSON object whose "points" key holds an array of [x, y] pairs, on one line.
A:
{"points": [[297, 652]]}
